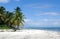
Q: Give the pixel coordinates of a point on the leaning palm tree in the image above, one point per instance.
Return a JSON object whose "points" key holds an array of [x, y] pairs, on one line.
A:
{"points": [[19, 18]]}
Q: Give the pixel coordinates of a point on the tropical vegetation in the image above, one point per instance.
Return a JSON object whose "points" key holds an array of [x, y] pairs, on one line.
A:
{"points": [[11, 20]]}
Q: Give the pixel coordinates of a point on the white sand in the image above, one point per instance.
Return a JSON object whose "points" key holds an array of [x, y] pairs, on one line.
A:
{"points": [[30, 34]]}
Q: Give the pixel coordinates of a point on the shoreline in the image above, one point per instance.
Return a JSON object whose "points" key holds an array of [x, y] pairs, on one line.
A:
{"points": [[11, 30]]}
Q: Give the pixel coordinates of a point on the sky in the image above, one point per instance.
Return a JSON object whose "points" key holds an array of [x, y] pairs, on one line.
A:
{"points": [[38, 13]]}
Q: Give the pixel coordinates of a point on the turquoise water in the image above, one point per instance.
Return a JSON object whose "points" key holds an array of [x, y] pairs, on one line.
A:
{"points": [[45, 28]]}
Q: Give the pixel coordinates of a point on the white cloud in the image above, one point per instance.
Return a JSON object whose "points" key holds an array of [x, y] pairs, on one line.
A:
{"points": [[27, 20], [4, 1], [45, 19], [39, 6], [43, 22], [52, 13], [48, 13]]}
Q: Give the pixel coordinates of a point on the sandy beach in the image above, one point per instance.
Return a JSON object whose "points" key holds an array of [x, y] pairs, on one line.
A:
{"points": [[30, 34]]}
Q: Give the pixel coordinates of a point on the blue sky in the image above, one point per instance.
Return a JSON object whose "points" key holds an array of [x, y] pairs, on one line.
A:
{"points": [[43, 13]]}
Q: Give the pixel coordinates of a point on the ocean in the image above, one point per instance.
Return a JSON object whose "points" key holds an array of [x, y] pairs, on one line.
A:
{"points": [[44, 28]]}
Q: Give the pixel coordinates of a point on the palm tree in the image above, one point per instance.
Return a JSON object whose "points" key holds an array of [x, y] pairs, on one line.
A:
{"points": [[12, 19], [9, 19], [2, 12], [19, 18]]}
